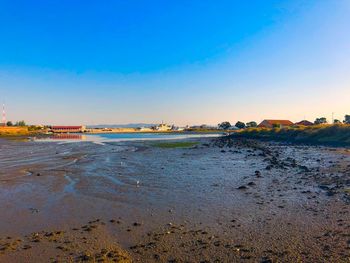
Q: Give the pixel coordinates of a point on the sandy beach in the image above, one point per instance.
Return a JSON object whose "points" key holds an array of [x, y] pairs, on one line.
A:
{"points": [[222, 200]]}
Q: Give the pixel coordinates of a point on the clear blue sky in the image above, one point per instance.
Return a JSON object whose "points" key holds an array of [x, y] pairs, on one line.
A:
{"points": [[184, 62]]}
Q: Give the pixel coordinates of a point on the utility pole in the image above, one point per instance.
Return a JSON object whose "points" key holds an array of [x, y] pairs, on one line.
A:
{"points": [[3, 115], [332, 117]]}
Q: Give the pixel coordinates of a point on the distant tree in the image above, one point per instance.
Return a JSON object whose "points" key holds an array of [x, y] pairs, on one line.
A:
{"points": [[224, 125], [240, 125], [20, 123], [9, 123], [336, 121], [321, 120], [347, 119], [251, 124]]}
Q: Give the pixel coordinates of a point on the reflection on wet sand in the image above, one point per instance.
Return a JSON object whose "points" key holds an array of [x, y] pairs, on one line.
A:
{"points": [[68, 137], [122, 137]]}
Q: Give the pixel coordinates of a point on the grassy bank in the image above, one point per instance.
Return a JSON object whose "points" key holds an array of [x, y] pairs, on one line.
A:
{"points": [[13, 131], [338, 135]]}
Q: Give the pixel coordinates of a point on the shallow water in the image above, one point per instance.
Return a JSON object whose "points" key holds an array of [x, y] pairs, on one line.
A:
{"points": [[121, 137], [139, 179]]}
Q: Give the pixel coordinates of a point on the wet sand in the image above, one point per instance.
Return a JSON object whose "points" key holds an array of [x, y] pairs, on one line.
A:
{"points": [[220, 201]]}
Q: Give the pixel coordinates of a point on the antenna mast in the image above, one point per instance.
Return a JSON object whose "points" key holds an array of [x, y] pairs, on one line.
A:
{"points": [[3, 115]]}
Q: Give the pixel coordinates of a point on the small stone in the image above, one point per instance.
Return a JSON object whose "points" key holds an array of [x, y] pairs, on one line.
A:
{"points": [[265, 260], [25, 247]]}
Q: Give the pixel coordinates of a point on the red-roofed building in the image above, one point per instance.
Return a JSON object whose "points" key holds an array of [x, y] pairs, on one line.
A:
{"points": [[304, 123], [275, 123], [68, 129]]}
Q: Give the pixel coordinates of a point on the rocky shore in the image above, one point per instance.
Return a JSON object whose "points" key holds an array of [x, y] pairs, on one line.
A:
{"points": [[221, 200]]}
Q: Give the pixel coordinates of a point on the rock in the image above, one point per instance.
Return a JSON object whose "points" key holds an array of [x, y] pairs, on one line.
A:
{"points": [[269, 167], [25, 247], [331, 192], [304, 168], [266, 260], [61, 248], [85, 257], [242, 187], [324, 187], [217, 243], [34, 210]]}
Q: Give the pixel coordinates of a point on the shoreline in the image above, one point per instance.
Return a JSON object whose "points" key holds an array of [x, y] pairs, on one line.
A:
{"points": [[157, 132]]}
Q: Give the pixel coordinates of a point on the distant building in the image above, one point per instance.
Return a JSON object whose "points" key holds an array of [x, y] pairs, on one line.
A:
{"points": [[68, 129], [304, 123], [177, 128], [145, 129], [163, 127], [275, 123], [203, 127]]}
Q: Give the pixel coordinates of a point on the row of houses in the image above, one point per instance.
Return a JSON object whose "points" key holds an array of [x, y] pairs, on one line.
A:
{"points": [[81, 129], [263, 124], [283, 123], [165, 127]]}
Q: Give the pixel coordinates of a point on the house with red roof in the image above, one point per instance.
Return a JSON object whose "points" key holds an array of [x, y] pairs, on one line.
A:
{"points": [[275, 123], [68, 129], [304, 123]]}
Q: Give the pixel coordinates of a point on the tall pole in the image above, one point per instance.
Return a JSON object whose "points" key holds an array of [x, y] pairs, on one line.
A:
{"points": [[332, 117], [3, 114]]}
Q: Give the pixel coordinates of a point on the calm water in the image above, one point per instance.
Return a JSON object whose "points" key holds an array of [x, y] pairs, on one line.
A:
{"points": [[118, 137]]}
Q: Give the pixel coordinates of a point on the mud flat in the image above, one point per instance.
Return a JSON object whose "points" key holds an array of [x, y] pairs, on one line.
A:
{"points": [[220, 200]]}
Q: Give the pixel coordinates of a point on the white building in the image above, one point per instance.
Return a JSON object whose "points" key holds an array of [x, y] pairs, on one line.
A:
{"points": [[145, 129], [163, 127]]}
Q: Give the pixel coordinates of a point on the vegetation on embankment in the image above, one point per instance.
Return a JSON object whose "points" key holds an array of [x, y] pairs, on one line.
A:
{"points": [[13, 131], [21, 131], [337, 135], [175, 144]]}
